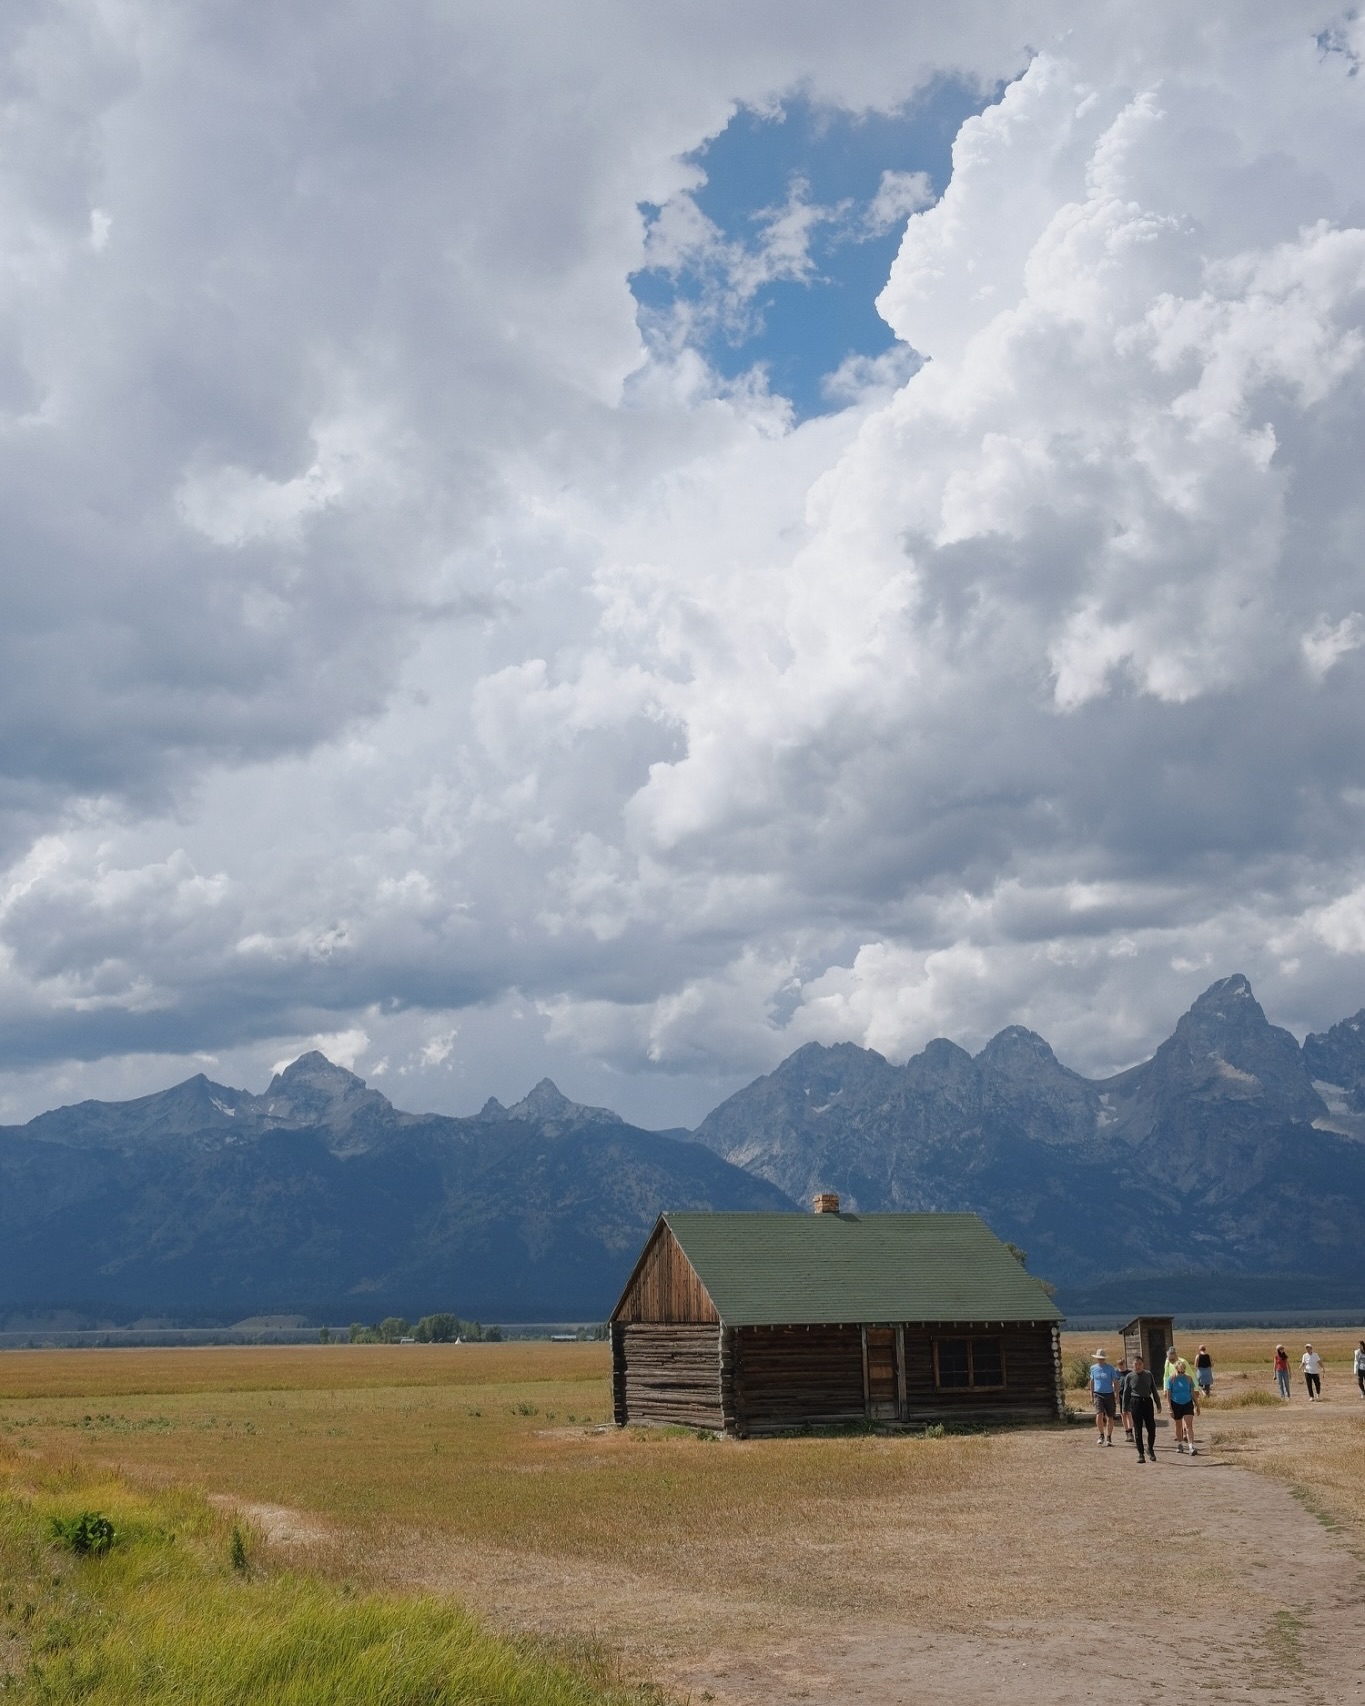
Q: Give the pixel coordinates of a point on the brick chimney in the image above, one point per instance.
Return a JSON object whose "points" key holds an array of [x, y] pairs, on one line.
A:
{"points": [[826, 1202]]}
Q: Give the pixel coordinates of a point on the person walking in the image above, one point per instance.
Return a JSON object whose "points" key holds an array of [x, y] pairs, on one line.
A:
{"points": [[1203, 1371], [1169, 1369], [1360, 1367], [1311, 1364], [1282, 1371], [1141, 1398], [1181, 1393], [1103, 1380], [1123, 1371]]}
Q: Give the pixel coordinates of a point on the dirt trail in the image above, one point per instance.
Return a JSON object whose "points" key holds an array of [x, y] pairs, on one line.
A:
{"points": [[1296, 1641], [1276, 1621]]}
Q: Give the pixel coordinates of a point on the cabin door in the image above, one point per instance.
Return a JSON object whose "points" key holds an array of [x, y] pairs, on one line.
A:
{"points": [[882, 1376], [1156, 1350]]}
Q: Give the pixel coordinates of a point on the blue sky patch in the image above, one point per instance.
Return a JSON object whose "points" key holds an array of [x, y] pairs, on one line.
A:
{"points": [[776, 259]]}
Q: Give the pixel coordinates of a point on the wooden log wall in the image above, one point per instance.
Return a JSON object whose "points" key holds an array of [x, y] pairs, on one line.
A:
{"points": [[786, 1377], [755, 1380], [670, 1374], [1030, 1357], [665, 1287]]}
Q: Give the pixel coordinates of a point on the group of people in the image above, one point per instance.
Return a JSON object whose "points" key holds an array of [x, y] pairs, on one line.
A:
{"points": [[1134, 1395], [1311, 1364]]}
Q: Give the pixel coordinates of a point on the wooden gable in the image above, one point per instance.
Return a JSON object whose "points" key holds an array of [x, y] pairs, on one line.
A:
{"points": [[665, 1287]]}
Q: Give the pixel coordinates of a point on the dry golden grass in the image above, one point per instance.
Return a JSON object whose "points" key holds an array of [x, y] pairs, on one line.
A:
{"points": [[502, 1452], [490, 1473], [505, 1447], [286, 1368]]}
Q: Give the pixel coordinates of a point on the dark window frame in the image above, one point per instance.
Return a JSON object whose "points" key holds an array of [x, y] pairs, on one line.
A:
{"points": [[972, 1384]]}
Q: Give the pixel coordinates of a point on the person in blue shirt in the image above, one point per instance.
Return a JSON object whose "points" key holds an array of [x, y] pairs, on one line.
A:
{"points": [[1180, 1391], [1103, 1382]]}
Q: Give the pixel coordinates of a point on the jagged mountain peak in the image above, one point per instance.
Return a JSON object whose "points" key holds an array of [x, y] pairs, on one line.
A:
{"points": [[938, 1061], [315, 1092], [1224, 1061], [1228, 1021], [1017, 1046], [315, 1071], [835, 1051], [1230, 999], [547, 1104]]}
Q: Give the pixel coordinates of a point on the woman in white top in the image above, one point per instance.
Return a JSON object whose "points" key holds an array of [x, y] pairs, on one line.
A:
{"points": [[1311, 1364], [1360, 1368]]}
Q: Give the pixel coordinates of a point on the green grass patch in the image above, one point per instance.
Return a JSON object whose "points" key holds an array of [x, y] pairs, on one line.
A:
{"points": [[168, 1614], [1316, 1509], [1284, 1638]]}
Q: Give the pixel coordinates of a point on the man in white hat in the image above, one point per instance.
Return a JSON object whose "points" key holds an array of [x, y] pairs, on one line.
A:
{"points": [[1103, 1379]]}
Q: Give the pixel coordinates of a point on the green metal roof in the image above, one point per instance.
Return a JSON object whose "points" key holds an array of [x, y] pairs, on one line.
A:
{"points": [[801, 1269]]}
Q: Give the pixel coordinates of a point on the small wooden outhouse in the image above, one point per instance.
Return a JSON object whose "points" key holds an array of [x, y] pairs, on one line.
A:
{"points": [[755, 1323], [1149, 1337]]}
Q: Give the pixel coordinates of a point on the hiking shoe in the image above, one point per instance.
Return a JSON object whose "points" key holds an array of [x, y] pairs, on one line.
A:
{"points": [[1193, 1452], [1099, 1439], [1110, 1440], [1141, 1458]]}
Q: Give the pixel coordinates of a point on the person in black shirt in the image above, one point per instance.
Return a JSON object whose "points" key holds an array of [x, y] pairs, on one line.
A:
{"points": [[1141, 1397]]}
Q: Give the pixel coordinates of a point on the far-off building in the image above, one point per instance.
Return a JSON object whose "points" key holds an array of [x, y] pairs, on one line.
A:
{"points": [[755, 1323]]}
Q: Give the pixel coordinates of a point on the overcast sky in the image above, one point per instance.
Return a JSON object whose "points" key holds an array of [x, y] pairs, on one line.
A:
{"points": [[616, 540]]}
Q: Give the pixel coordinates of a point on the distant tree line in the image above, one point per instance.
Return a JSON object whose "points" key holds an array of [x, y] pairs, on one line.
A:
{"points": [[442, 1329]]}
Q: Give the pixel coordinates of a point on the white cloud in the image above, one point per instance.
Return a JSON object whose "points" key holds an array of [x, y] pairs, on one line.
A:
{"points": [[436, 1050], [342, 1047], [399, 646], [1326, 643], [899, 194]]}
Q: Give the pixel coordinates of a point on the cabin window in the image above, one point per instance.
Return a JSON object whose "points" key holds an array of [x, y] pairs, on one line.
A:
{"points": [[963, 1363]]}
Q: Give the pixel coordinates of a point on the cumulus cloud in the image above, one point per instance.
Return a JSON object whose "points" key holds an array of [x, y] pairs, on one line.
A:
{"points": [[402, 649]]}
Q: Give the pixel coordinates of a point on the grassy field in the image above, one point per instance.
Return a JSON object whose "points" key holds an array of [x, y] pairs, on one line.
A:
{"points": [[378, 1487]]}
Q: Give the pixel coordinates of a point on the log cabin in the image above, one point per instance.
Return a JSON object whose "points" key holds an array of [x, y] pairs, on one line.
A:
{"points": [[764, 1323]]}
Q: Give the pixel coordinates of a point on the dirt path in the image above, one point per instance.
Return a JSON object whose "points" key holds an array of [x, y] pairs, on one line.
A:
{"points": [[1295, 1640], [1238, 1593]]}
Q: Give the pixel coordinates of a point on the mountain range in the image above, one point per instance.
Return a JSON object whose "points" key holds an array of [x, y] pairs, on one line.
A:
{"points": [[205, 1204], [1227, 1171], [1232, 1163]]}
